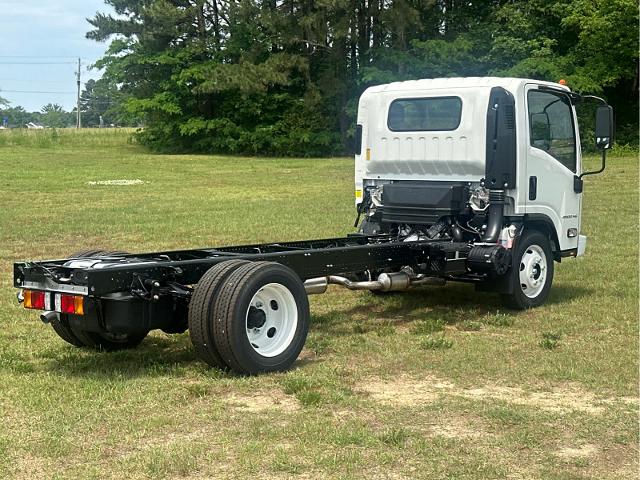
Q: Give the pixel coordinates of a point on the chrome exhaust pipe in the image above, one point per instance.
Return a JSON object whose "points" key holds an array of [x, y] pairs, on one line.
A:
{"points": [[315, 286], [351, 285], [428, 281], [386, 282], [46, 317]]}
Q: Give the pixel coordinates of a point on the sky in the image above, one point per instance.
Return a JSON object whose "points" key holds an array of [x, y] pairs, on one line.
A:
{"points": [[49, 35]]}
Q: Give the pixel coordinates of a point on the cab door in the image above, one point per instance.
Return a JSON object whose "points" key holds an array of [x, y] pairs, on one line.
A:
{"points": [[553, 160]]}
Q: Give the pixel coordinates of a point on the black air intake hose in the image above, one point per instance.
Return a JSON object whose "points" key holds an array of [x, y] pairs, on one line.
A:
{"points": [[456, 233], [496, 216]]}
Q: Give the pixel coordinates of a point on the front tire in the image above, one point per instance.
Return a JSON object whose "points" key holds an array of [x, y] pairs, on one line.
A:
{"points": [[531, 271]]}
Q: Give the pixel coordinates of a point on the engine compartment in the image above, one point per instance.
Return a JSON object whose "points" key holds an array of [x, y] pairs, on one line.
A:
{"points": [[430, 210]]}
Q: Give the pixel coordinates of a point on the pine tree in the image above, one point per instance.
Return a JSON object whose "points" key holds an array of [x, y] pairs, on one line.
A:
{"points": [[283, 77]]}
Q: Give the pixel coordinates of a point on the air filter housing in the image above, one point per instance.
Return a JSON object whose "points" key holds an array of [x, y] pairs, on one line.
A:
{"points": [[422, 203]]}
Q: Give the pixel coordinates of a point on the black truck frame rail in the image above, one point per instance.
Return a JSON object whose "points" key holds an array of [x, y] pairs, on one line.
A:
{"points": [[154, 272]]}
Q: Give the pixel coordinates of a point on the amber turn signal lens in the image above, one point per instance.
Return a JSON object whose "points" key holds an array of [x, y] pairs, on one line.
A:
{"points": [[79, 304], [27, 299]]}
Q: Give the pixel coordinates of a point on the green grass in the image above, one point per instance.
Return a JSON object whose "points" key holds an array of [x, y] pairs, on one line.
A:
{"points": [[439, 382]]}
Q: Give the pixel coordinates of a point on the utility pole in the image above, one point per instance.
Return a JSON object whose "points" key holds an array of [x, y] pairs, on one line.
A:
{"points": [[79, 121]]}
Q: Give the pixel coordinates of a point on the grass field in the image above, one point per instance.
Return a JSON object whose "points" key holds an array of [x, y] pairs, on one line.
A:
{"points": [[435, 383]]}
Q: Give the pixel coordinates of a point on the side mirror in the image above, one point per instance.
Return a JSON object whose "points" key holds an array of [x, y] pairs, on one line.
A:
{"points": [[604, 139], [604, 127]]}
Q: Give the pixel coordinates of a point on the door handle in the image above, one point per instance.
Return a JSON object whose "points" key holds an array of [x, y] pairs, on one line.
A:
{"points": [[533, 188]]}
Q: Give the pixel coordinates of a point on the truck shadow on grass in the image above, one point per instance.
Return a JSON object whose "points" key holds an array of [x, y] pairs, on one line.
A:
{"points": [[452, 305], [173, 356], [161, 356]]}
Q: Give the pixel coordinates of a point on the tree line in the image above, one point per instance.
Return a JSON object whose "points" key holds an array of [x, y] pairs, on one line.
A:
{"points": [[283, 77], [99, 107]]}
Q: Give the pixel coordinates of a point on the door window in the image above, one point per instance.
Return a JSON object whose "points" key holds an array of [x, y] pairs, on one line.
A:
{"points": [[551, 126]]}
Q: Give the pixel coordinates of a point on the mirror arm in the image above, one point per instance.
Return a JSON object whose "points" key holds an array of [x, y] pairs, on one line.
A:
{"points": [[594, 97], [604, 159]]}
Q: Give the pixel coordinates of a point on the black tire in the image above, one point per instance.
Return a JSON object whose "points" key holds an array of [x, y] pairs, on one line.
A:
{"points": [[87, 253], [201, 310], [231, 314], [525, 295], [99, 341], [60, 325], [96, 253], [109, 342]]}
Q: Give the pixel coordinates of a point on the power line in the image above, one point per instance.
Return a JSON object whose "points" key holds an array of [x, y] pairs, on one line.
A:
{"points": [[35, 91], [37, 63], [37, 56], [25, 80], [26, 57]]}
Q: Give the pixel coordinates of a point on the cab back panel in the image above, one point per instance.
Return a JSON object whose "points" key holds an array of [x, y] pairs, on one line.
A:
{"points": [[452, 155]]}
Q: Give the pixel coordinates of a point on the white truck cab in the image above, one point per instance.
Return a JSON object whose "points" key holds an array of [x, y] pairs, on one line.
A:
{"points": [[480, 160]]}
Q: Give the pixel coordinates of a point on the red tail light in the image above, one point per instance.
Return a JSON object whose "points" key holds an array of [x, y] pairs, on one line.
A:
{"points": [[34, 299], [59, 302], [73, 304], [67, 304]]}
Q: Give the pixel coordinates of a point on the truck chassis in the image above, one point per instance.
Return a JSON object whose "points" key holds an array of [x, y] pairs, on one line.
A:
{"points": [[121, 297], [309, 259]]}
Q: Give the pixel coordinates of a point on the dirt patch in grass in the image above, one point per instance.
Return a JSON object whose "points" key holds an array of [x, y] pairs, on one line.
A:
{"points": [[457, 428], [409, 392], [600, 461], [263, 401], [559, 400], [619, 461], [29, 466], [405, 391], [583, 451]]}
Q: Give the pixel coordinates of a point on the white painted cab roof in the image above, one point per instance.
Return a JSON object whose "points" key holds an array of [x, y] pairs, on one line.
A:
{"points": [[508, 83]]}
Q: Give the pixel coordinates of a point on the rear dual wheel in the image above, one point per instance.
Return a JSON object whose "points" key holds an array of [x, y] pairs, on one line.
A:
{"points": [[249, 317]]}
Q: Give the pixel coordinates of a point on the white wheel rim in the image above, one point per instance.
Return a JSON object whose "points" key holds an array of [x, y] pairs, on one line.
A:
{"points": [[271, 320], [533, 271]]}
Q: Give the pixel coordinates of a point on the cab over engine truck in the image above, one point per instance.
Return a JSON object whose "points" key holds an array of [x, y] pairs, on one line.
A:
{"points": [[456, 179]]}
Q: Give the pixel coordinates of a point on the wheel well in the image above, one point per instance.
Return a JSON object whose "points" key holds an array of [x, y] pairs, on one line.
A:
{"points": [[545, 226]]}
